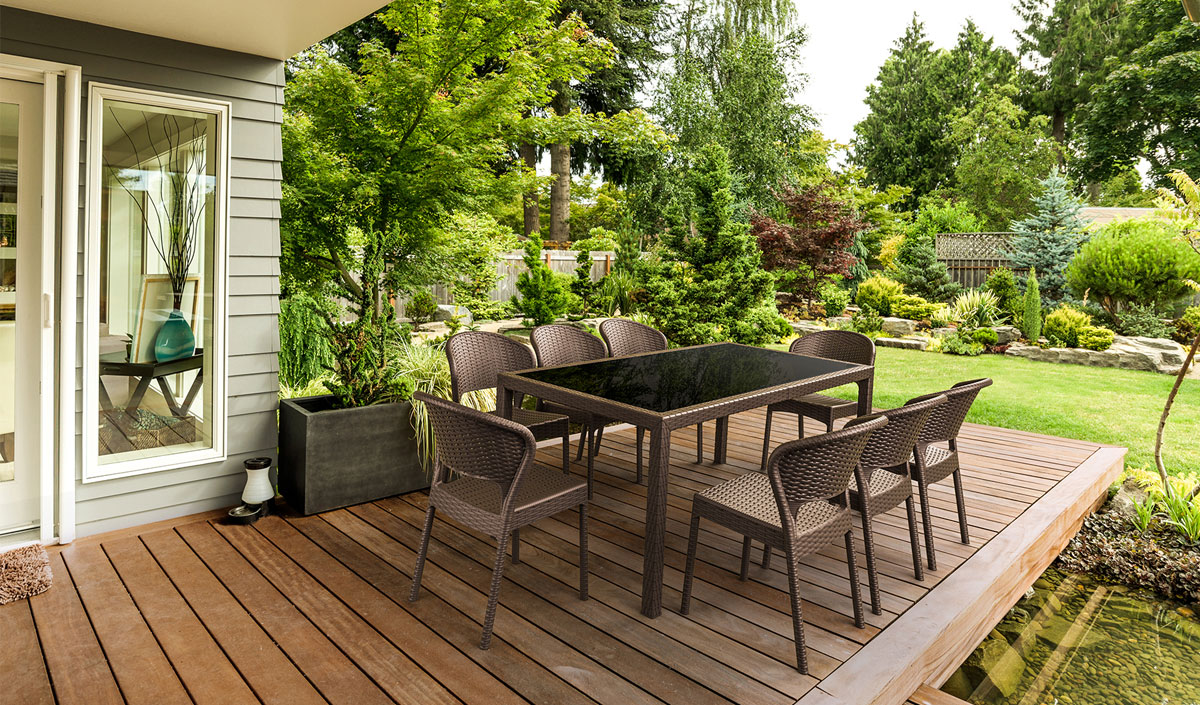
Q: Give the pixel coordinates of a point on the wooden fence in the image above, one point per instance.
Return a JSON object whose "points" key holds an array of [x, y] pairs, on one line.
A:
{"points": [[970, 257]]}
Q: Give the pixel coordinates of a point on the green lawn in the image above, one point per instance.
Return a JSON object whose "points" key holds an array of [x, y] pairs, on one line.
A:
{"points": [[1119, 407]]}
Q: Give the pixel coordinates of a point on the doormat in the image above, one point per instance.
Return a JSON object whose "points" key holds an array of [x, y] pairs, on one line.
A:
{"points": [[24, 572]]}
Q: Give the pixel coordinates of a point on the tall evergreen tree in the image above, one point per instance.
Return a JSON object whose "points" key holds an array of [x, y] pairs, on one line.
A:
{"points": [[1049, 238]]}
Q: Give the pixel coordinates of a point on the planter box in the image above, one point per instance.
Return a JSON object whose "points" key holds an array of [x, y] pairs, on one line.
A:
{"points": [[331, 458]]}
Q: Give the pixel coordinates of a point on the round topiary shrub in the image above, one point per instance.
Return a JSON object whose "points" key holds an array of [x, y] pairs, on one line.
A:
{"points": [[985, 336], [1063, 325], [1134, 262], [1096, 338], [913, 307], [835, 299], [877, 293]]}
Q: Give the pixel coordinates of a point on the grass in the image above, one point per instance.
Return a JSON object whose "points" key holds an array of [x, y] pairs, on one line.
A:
{"points": [[1103, 405]]}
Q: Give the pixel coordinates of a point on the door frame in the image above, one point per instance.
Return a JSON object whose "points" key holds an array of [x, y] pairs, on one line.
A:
{"points": [[58, 448]]}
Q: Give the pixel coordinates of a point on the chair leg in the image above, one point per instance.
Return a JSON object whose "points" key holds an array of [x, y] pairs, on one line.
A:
{"points": [[690, 567], [745, 558], [766, 559], [914, 539], [800, 425], [583, 552], [591, 462], [797, 616], [855, 590], [416, 586], [585, 433], [766, 440], [599, 439], [566, 452], [641, 433], [699, 443], [829, 425], [489, 617], [962, 507], [516, 546], [872, 577], [927, 520]]}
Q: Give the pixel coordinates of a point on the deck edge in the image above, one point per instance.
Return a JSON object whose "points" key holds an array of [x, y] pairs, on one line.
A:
{"points": [[943, 627]]}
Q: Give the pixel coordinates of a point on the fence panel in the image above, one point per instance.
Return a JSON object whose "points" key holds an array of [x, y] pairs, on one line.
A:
{"points": [[970, 257]]}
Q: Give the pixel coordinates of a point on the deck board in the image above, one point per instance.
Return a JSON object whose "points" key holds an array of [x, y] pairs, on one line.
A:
{"points": [[308, 610]]}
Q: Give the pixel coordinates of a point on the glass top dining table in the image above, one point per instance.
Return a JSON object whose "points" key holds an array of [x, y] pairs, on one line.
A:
{"points": [[672, 389]]}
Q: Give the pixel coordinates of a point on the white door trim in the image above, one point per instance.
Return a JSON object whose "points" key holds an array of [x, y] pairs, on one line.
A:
{"points": [[57, 468]]}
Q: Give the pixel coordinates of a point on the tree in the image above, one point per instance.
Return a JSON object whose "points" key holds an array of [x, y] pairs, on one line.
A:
{"points": [[710, 284], [1003, 155], [1146, 107], [922, 274], [812, 243], [1063, 48], [1049, 238], [376, 162]]}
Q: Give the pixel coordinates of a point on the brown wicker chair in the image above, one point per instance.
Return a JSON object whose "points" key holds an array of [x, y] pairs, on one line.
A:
{"points": [[799, 506], [497, 488], [932, 463], [559, 344], [843, 345], [883, 472], [476, 357], [626, 337]]}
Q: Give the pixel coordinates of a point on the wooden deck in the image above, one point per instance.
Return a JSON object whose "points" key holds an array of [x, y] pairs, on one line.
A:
{"points": [[315, 610]]}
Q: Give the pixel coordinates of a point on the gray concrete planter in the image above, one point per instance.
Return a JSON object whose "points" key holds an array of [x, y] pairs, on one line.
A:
{"points": [[331, 458]]}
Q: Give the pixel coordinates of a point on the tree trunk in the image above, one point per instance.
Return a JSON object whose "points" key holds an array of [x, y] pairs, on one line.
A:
{"points": [[1162, 421], [560, 166], [531, 201]]}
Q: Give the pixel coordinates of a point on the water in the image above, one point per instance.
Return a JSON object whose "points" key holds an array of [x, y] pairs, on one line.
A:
{"points": [[1076, 641]]}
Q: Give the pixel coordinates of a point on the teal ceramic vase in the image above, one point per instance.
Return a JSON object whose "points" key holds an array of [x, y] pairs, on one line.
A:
{"points": [[175, 339]]}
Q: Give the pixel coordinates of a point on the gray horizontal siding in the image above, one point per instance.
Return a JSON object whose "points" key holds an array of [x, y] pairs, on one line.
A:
{"points": [[254, 88]]}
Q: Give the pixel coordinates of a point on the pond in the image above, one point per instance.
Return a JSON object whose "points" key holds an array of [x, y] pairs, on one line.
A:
{"points": [[1076, 641]]}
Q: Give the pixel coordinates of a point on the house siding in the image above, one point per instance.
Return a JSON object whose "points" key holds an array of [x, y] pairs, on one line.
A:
{"points": [[254, 87]]}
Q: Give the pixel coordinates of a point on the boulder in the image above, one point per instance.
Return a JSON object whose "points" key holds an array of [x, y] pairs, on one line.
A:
{"points": [[906, 343], [837, 321], [803, 328], [1006, 334], [1149, 354], [447, 312], [1123, 501], [943, 332], [898, 327]]}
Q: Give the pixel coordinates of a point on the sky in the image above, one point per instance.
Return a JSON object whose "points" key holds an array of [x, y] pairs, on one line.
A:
{"points": [[848, 40]]}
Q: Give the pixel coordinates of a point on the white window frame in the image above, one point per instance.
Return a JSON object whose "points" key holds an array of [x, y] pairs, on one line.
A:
{"points": [[93, 470]]}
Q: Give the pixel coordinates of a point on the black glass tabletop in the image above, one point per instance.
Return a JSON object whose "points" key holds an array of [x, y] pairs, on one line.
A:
{"points": [[683, 377]]}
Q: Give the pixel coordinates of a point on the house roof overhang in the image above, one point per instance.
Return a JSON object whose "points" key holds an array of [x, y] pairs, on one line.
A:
{"points": [[276, 29]]}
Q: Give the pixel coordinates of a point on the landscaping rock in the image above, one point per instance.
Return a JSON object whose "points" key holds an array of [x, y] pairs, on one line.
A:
{"points": [[1150, 354], [943, 332], [1123, 501], [906, 343], [837, 321], [1006, 335], [447, 312], [803, 328], [899, 327]]}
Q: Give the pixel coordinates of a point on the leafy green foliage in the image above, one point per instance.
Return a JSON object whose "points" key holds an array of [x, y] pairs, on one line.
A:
{"points": [[961, 343], [361, 374], [976, 308], [914, 307], [543, 294], [1187, 326], [709, 284], [476, 243], [1095, 338], [939, 215], [1049, 238], [877, 293], [1140, 320], [304, 353], [1003, 283], [1031, 309], [1063, 325], [834, 299], [922, 274], [1124, 190], [421, 307], [867, 321], [985, 336], [1156, 559]]}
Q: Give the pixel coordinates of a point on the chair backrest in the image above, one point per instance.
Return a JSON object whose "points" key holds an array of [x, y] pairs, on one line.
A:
{"points": [[626, 337], [818, 467], [842, 345], [946, 420], [476, 357], [559, 344], [893, 444], [476, 444]]}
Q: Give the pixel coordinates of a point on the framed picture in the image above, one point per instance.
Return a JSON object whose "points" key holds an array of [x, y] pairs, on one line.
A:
{"points": [[154, 306]]}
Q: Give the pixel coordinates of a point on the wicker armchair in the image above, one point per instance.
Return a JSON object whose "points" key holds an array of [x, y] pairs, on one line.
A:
{"points": [[883, 481], [799, 506], [626, 337], [559, 344], [843, 345], [932, 463], [497, 489], [477, 357]]}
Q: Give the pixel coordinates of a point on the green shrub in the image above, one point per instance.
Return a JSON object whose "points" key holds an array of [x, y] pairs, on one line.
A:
{"points": [[877, 293], [921, 273], [1031, 309], [477, 242], [985, 336], [1095, 338], [867, 321], [544, 294], [598, 239], [1134, 262], [913, 307], [1003, 283], [421, 308], [1063, 325], [835, 299], [960, 344], [1188, 326], [304, 353], [976, 308], [1143, 321]]}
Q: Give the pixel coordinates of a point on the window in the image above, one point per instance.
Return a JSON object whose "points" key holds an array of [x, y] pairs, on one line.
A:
{"points": [[154, 352]]}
